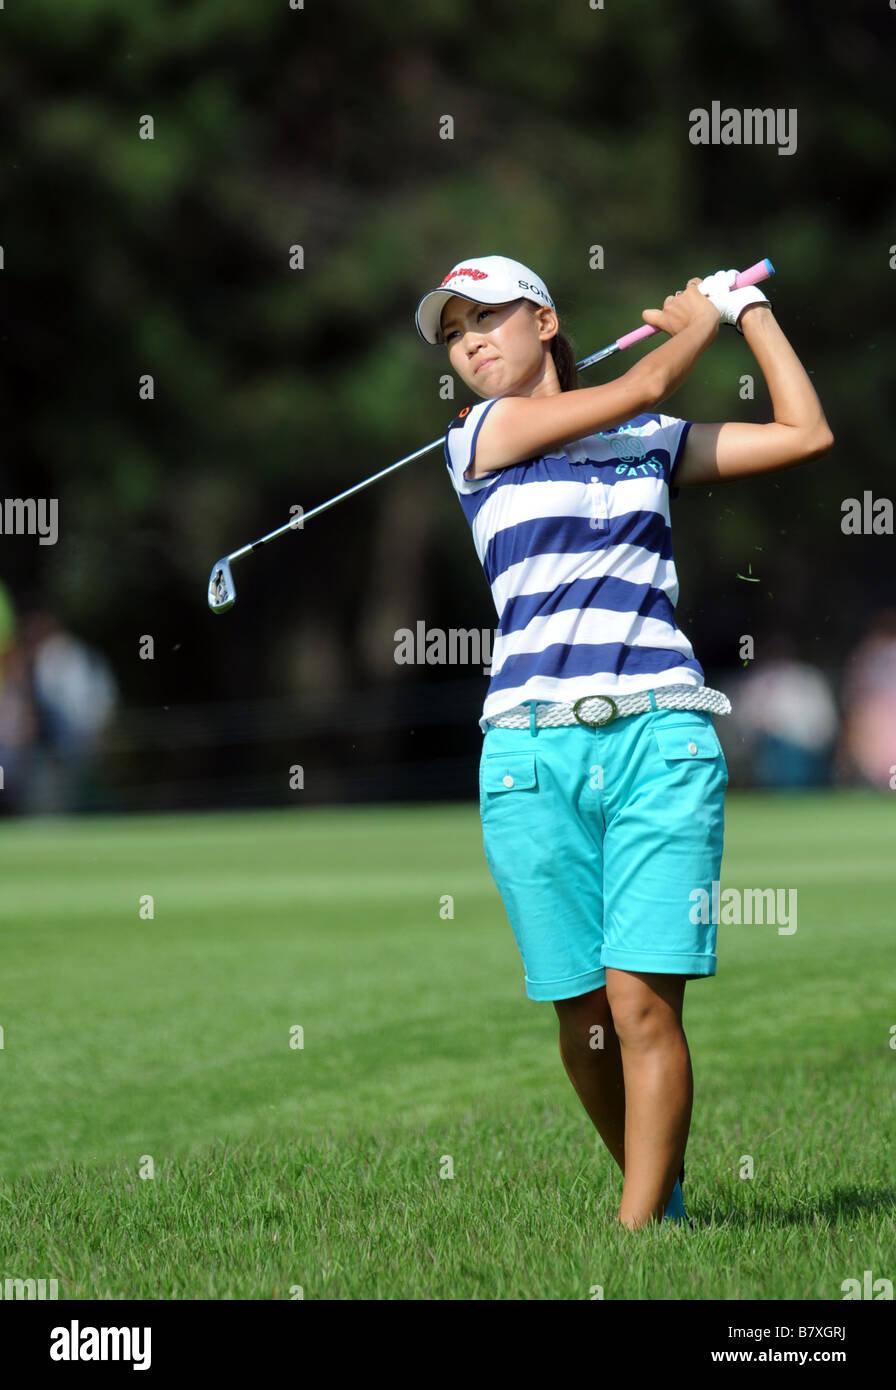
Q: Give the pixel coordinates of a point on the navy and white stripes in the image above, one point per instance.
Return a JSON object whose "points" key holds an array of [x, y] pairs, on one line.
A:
{"points": [[577, 549]]}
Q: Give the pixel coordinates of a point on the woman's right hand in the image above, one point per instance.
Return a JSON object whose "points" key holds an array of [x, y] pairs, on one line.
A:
{"points": [[684, 308]]}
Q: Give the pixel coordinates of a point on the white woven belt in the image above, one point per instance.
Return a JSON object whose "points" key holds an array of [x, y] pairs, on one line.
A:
{"points": [[596, 710]]}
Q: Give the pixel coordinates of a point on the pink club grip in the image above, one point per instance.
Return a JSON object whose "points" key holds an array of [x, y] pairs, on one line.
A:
{"points": [[760, 271], [635, 336]]}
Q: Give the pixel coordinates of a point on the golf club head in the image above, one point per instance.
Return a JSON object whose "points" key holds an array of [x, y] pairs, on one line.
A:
{"points": [[221, 588]]}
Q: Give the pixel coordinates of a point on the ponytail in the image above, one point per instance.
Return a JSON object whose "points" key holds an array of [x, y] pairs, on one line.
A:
{"points": [[564, 362], [564, 358]]}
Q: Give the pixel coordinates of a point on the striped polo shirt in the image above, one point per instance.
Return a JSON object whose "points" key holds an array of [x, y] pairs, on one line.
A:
{"points": [[577, 549]]}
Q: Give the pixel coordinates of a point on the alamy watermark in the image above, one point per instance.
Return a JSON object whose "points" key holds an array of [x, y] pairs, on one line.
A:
{"points": [[39, 1289], [29, 516], [749, 906], [77, 1343], [753, 126], [867, 516], [437, 647]]}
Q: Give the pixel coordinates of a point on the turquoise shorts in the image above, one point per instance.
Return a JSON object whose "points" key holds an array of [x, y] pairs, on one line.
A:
{"points": [[597, 840]]}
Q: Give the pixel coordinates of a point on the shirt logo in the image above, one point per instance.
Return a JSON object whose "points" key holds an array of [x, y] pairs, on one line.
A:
{"points": [[628, 448]]}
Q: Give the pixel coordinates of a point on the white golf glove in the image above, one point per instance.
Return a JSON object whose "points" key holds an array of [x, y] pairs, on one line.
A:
{"points": [[730, 302]]}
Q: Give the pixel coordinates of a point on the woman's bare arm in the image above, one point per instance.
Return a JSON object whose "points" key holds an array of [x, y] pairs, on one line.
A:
{"points": [[799, 431], [523, 427]]}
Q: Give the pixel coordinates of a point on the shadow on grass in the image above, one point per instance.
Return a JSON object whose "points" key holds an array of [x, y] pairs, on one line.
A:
{"points": [[839, 1204]]}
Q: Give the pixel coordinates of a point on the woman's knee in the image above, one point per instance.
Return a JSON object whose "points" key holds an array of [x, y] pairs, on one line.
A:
{"points": [[645, 1008], [585, 1022]]}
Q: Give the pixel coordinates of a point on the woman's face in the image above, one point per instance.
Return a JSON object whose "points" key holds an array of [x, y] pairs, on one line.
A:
{"points": [[500, 349]]}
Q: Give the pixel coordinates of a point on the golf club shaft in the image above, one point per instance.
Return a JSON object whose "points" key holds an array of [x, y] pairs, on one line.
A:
{"points": [[760, 271], [298, 522]]}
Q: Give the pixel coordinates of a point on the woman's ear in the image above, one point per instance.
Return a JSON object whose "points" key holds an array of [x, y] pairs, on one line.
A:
{"points": [[548, 323]]}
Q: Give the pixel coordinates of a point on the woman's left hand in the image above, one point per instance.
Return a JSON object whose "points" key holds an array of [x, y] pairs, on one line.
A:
{"points": [[730, 302]]}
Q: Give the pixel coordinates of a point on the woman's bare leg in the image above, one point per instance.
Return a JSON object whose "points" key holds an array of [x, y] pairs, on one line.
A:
{"points": [[658, 1088]]}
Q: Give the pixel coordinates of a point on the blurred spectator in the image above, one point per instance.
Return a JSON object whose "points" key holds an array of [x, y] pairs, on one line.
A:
{"points": [[788, 713], [867, 750], [18, 725], [57, 696], [7, 621]]}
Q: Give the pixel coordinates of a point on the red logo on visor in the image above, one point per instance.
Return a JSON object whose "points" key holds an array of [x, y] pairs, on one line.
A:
{"points": [[465, 270]]}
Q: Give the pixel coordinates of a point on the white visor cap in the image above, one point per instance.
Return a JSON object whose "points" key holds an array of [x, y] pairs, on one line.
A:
{"points": [[486, 280]]}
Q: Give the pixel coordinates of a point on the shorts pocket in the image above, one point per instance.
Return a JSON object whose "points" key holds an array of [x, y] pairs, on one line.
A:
{"points": [[691, 743], [506, 772], [501, 774], [688, 741]]}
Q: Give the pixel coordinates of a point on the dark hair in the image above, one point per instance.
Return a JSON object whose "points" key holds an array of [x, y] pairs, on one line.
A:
{"points": [[564, 362], [564, 358]]}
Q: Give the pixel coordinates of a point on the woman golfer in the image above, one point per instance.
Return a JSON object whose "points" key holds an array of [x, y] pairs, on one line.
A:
{"points": [[602, 779]]}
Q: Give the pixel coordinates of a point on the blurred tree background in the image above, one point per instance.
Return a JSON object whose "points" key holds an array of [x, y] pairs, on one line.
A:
{"points": [[319, 126]]}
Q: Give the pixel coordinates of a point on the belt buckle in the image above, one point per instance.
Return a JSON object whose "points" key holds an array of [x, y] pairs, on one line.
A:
{"points": [[596, 723]]}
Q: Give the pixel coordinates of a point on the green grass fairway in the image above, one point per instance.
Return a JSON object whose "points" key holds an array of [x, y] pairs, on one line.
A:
{"points": [[323, 1167]]}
